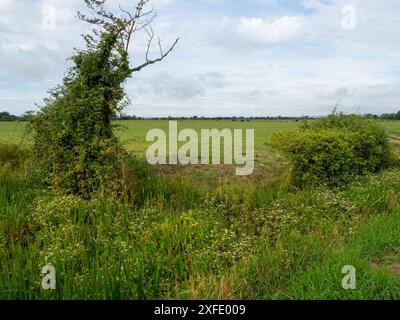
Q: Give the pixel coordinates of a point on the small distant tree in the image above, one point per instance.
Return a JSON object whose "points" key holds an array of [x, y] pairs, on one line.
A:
{"points": [[73, 139]]}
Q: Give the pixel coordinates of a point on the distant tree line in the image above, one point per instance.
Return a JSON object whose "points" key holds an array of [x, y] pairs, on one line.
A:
{"points": [[391, 116], [385, 116], [240, 119], [6, 116]]}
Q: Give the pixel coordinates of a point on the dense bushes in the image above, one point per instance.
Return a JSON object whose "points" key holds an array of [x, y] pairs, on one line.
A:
{"points": [[333, 150]]}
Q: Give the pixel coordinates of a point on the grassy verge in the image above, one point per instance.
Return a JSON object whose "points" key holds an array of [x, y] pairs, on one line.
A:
{"points": [[179, 240]]}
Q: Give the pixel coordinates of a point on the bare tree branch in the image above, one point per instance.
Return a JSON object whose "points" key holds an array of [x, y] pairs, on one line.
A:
{"points": [[162, 57], [159, 45], [151, 37], [124, 26]]}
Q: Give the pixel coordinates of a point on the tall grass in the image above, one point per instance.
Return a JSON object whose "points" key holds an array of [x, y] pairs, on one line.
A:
{"points": [[179, 240]]}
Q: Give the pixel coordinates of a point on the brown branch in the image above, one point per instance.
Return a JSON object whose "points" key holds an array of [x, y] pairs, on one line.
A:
{"points": [[162, 57], [151, 37], [159, 45], [123, 27]]}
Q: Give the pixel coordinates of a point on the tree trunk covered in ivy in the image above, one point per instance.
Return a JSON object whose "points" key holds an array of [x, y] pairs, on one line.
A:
{"points": [[73, 139]]}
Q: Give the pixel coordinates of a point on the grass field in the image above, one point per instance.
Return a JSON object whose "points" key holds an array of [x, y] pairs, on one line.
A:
{"points": [[133, 133], [201, 232]]}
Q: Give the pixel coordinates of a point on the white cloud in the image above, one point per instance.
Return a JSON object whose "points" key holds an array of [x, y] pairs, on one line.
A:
{"points": [[265, 31], [4, 5], [180, 88], [161, 3]]}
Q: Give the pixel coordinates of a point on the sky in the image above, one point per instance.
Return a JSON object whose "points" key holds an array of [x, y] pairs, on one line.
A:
{"points": [[234, 57]]}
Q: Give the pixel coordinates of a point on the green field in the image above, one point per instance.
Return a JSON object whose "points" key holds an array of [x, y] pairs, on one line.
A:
{"points": [[200, 232], [133, 133]]}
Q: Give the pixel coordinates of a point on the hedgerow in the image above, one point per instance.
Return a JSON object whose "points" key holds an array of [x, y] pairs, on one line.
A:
{"points": [[332, 151]]}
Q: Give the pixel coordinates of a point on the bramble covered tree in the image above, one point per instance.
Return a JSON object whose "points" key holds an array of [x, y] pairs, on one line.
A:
{"points": [[73, 139]]}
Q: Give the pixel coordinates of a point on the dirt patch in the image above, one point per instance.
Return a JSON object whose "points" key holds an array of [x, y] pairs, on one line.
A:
{"points": [[390, 262], [394, 267]]}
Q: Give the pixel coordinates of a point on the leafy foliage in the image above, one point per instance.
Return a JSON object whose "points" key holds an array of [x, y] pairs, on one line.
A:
{"points": [[73, 138], [333, 150]]}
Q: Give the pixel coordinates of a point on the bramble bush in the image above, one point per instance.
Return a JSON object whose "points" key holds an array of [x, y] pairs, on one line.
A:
{"points": [[72, 133], [74, 145], [334, 150]]}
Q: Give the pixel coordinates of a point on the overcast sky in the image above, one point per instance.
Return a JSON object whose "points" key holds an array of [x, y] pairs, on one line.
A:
{"points": [[258, 57]]}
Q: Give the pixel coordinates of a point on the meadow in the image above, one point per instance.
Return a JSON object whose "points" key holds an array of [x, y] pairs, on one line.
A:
{"points": [[199, 232]]}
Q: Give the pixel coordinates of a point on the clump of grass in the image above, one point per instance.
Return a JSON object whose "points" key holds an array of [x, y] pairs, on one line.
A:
{"points": [[11, 153]]}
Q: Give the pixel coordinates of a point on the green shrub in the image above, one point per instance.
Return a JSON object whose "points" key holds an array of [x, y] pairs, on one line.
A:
{"points": [[334, 150]]}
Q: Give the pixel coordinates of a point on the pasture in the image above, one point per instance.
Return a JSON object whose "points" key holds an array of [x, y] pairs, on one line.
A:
{"points": [[132, 135]]}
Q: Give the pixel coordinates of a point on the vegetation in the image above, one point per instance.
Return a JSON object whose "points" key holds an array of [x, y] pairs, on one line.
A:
{"points": [[5, 116], [391, 116], [334, 150], [194, 234], [73, 140], [122, 116], [115, 228]]}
